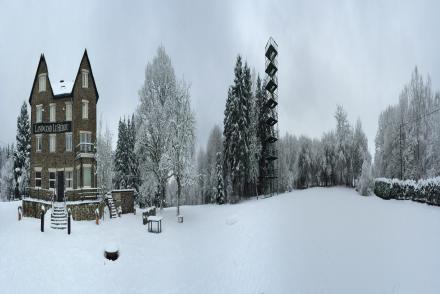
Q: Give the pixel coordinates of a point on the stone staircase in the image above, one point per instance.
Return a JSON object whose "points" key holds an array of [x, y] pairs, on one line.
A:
{"points": [[111, 204], [58, 218]]}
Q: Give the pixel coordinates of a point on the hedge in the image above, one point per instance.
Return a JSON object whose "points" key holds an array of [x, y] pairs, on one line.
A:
{"points": [[425, 191]]}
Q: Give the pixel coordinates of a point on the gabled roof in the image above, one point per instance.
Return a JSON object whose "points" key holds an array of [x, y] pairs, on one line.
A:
{"points": [[63, 88], [42, 59], [86, 57]]}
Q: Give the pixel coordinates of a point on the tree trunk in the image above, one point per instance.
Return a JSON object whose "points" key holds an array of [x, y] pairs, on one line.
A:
{"points": [[162, 196], [179, 189]]}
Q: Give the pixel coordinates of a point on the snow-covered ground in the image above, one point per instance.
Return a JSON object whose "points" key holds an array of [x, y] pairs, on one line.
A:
{"points": [[312, 241]]}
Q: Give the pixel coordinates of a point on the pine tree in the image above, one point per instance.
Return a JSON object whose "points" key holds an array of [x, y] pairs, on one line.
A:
{"points": [[121, 157], [220, 197], [236, 130], [22, 151]]}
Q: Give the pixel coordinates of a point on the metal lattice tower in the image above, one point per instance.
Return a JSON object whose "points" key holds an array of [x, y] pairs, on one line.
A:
{"points": [[270, 149]]}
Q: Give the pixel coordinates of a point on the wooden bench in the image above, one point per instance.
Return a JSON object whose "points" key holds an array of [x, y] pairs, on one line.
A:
{"points": [[155, 219]]}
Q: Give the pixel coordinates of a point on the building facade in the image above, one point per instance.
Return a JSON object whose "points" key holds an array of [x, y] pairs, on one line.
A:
{"points": [[63, 120]]}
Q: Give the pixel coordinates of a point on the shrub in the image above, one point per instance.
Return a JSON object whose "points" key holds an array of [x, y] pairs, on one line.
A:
{"points": [[425, 191]]}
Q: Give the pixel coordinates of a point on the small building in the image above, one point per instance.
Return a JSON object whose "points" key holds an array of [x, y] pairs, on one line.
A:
{"points": [[63, 121]]}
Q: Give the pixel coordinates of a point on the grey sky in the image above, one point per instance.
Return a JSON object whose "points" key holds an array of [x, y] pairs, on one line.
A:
{"points": [[355, 53]]}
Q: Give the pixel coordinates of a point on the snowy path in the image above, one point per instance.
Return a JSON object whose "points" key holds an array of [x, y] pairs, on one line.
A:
{"points": [[312, 241]]}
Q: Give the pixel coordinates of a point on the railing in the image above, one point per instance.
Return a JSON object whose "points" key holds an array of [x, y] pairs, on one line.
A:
{"points": [[85, 147], [272, 42]]}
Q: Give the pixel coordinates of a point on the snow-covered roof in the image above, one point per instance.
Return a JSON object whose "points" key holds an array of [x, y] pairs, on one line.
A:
{"points": [[61, 87]]}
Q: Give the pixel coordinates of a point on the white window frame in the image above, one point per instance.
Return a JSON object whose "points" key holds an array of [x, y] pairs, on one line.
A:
{"points": [[69, 111], [69, 142], [52, 112], [38, 170], [54, 180], [85, 78], [84, 167], [68, 181], [38, 142], [85, 109], [42, 83], [52, 143], [88, 137], [39, 113], [78, 176]]}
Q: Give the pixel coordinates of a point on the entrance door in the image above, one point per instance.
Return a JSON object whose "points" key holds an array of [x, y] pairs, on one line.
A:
{"points": [[60, 188]]}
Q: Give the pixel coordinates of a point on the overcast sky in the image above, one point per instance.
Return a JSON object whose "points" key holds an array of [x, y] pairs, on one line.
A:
{"points": [[355, 53]]}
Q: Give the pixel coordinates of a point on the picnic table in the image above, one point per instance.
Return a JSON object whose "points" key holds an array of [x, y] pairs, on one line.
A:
{"points": [[155, 219]]}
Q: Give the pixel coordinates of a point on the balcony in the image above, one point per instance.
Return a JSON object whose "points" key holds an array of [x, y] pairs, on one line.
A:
{"points": [[272, 85], [271, 67], [271, 103], [271, 49], [271, 139], [85, 150], [271, 121]]}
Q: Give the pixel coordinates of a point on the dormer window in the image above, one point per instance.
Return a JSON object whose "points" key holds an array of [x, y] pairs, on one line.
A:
{"points": [[85, 78], [42, 82]]}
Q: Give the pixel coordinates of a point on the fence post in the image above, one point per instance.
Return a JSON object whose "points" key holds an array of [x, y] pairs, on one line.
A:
{"points": [[43, 211], [68, 221]]}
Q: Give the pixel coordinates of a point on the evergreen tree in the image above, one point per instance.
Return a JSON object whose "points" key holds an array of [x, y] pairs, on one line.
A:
{"points": [[22, 151], [236, 130], [121, 157], [220, 197]]}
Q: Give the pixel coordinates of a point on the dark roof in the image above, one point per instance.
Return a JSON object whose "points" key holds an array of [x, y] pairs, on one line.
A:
{"points": [[42, 59]]}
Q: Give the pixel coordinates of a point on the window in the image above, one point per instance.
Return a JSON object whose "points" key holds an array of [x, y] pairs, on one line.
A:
{"points": [[68, 111], [38, 178], [69, 142], [52, 142], [78, 177], [85, 78], [69, 179], [52, 179], [39, 113], [38, 143], [52, 109], [85, 109], [85, 140], [87, 176], [42, 82]]}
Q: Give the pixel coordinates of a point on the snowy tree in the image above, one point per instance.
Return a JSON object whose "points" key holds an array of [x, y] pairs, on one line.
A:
{"points": [[255, 146], [214, 145], [344, 135], [104, 159], [133, 159], [365, 184], [182, 126], [220, 191], [22, 151], [236, 130], [407, 137], [7, 183], [121, 163], [153, 137], [359, 149]]}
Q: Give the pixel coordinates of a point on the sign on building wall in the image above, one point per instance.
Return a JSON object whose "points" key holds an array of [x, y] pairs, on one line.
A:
{"points": [[51, 128]]}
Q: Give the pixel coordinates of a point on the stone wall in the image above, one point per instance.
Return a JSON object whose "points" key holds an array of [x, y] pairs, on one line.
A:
{"points": [[86, 210], [124, 199], [32, 208]]}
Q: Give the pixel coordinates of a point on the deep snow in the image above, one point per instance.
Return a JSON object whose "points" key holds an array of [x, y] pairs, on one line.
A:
{"points": [[312, 241]]}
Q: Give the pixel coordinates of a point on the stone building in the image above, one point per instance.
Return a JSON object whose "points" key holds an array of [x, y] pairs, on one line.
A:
{"points": [[63, 120]]}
